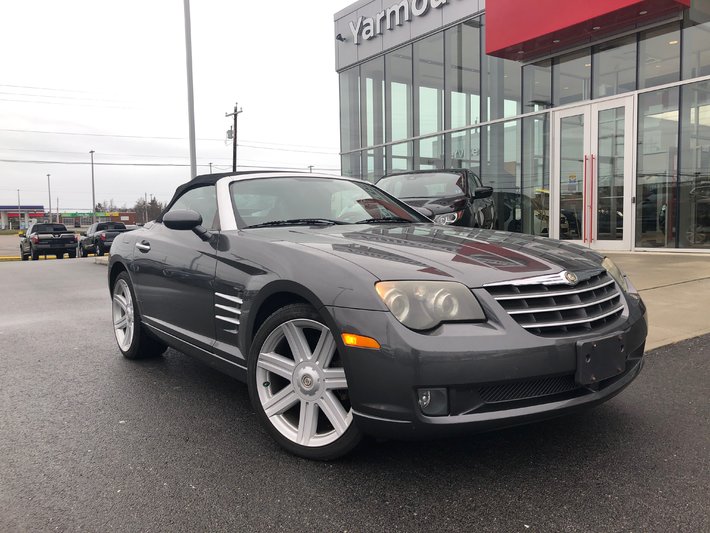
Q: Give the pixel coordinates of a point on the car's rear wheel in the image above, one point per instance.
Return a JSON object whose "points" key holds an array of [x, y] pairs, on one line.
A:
{"points": [[133, 341], [298, 386], [99, 250], [34, 254], [80, 251], [24, 256]]}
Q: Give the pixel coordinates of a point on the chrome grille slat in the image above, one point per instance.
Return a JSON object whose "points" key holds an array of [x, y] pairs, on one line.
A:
{"points": [[572, 322], [558, 309], [562, 307], [553, 293]]}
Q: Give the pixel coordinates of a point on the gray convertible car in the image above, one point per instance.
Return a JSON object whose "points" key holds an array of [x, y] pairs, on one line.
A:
{"points": [[348, 313]]}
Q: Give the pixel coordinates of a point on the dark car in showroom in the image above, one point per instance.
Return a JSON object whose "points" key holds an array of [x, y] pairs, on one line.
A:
{"points": [[453, 196], [348, 313]]}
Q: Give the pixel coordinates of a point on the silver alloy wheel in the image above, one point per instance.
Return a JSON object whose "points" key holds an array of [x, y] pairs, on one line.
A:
{"points": [[123, 318], [296, 383]]}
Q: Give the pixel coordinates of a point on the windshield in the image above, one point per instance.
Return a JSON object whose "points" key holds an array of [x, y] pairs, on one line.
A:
{"points": [[429, 185], [49, 228], [294, 200]]}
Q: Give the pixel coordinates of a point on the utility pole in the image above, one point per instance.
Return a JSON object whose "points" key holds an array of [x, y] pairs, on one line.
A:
{"points": [[49, 191], [190, 93], [234, 136], [210, 168], [19, 212], [93, 190], [58, 219], [310, 169]]}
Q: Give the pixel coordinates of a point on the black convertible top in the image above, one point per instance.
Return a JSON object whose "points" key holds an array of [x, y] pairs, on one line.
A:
{"points": [[208, 179]]}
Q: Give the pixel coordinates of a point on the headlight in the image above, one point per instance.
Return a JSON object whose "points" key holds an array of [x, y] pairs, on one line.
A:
{"points": [[616, 273], [448, 218], [423, 305]]}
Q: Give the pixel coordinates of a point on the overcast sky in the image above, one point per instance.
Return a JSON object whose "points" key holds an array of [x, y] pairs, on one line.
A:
{"points": [[116, 71]]}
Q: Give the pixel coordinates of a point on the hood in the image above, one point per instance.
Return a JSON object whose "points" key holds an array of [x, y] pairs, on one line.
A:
{"points": [[428, 251], [439, 206]]}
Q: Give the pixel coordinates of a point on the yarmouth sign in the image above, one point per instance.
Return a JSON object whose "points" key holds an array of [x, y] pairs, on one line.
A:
{"points": [[396, 15]]}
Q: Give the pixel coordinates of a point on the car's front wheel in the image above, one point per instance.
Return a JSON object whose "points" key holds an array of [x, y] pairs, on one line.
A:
{"points": [[298, 387], [133, 341]]}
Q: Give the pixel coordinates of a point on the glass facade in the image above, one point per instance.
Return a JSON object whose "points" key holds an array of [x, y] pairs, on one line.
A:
{"points": [[441, 102]]}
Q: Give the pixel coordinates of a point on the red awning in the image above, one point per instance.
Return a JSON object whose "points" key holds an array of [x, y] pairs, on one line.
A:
{"points": [[523, 30]]}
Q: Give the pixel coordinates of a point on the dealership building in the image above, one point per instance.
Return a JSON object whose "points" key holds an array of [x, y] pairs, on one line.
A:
{"points": [[591, 120]]}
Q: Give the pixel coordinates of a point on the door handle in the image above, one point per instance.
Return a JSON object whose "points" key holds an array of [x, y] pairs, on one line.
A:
{"points": [[591, 203], [143, 246], [584, 192]]}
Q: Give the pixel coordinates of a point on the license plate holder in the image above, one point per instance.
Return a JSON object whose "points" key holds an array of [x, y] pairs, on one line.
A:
{"points": [[600, 359]]}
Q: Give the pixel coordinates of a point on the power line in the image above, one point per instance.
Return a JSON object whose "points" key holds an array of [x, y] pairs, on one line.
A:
{"points": [[245, 144]]}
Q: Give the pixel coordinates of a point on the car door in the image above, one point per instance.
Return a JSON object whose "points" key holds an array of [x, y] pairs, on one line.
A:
{"points": [[174, 272]]}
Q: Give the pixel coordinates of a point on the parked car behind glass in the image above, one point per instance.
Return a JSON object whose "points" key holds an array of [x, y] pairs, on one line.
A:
{"points": [[348, 313], [455, 197]]}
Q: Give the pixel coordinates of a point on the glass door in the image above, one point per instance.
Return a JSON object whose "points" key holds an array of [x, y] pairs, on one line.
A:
{"points": [[593, 174]]}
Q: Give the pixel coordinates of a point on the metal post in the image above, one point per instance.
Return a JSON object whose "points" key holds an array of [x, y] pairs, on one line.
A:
{"points": [[49, 191], [234, 136], [93, 190], [190, 94], [310, 169], [19, 212], [145, 221], [210, 168]]}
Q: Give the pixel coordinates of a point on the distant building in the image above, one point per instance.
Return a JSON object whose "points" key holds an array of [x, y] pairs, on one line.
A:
{"points": [[10, 216]]}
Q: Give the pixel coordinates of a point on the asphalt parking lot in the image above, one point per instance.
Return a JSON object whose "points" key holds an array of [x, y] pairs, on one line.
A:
{"points": [[91, 441]]}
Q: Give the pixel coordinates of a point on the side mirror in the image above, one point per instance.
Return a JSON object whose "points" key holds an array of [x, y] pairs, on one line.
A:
{"points": [[482, 192], [186, 219]]}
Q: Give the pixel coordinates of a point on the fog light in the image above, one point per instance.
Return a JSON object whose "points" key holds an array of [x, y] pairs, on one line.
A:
{"points": [[433, 402]]}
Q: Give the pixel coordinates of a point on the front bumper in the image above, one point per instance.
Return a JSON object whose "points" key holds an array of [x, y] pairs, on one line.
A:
{"points": [[496, 374]]}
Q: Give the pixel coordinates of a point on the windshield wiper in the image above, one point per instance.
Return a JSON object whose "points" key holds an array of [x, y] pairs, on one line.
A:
{"points": [[385, 220], [298, 222]]}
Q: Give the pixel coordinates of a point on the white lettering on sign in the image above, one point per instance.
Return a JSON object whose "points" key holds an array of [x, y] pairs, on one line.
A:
{"points": [[396, 15]]}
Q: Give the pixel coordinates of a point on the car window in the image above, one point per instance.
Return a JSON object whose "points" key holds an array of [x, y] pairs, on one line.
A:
{"points": [[204, 201], [48, 228], [261, 201], [424, 185]]}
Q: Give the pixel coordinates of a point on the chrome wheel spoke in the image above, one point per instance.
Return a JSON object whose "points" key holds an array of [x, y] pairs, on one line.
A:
{"points": [[122, 314], [278, 364], [121, 323], [333, 410], [307, 422], [323, 354], [335, 378], [281, 402], [297, 342], [121, 301]]}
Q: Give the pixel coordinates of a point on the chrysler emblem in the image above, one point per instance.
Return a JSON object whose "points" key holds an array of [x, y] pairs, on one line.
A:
{"points": [[571, 277]]}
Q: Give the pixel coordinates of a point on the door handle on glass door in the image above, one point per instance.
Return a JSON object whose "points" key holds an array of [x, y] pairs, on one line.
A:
{"points": [[591, 203], [584, 194]]}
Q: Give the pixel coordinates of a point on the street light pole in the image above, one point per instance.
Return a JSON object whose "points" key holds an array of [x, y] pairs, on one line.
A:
{"points": [[19, 212], [49, 191], [234, 136], [93, 190], [190, 94]]}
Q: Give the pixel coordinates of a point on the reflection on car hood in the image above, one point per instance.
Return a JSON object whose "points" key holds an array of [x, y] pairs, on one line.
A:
{"points": [[439, 206], [429, 251]]}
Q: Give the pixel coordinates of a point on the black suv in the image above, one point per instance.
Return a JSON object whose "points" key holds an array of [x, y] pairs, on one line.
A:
{"points": [[47, 239], [454, 196]]}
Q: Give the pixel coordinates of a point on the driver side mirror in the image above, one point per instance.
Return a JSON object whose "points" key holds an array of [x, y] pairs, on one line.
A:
{"points": [[482, 192], [186, 219]]}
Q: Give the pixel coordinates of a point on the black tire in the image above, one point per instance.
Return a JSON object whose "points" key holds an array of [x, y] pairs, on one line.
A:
{"points": [[72, 255], [23, 255], [80, 251], [345, 442], [34, 255], [142, 344], [59, 256], [99, 250]]}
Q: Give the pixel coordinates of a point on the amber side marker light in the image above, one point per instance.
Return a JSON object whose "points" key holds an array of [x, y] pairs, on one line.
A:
{"points": [[358, 341]]}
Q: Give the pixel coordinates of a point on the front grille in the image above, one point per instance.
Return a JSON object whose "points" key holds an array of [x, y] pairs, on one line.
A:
{"points": [[558, 309], [524, 390]]}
